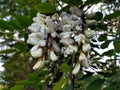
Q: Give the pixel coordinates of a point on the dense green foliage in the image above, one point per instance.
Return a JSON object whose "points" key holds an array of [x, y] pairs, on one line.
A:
{"points": [[16, 16]]}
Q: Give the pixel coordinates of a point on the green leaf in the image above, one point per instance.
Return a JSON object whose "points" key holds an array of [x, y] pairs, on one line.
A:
{"points": [[96, 84], [15, 24], [65, 68], [33, 76], [108, 53], [32, 13], [24, 20], [17, 87], [45, 8], [21, 46], [103, 37], [88, 2], [7, 51], [24, 82], [73, 2], [60, 84], [86, 75], [109, 88], [107, 74], [113, 15], [117, 45], [98, 16], [4, 25], [105, 44]]}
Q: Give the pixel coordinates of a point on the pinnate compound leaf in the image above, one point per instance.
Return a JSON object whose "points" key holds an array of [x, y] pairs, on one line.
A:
{"points": [[45, 8], [96, 84]]}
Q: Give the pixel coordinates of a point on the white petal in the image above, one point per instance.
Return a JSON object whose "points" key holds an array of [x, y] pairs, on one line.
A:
{"points": [[68, 50], [80, 38], [85, 64], [36, 51], [39, 64], [55, 46], [67, 41], [32, 41], [75, 10], [50, 23], [42, 43], [66, 34], [76, 68], [53, 56], [67, 28], [78, 28], [90, 22], [55, 17], [86, 47], [34, 27], [89, 33], [82, 56], [54, 34]]}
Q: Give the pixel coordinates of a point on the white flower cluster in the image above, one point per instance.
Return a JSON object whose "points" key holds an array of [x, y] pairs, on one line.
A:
{"points": [[60, 34]]}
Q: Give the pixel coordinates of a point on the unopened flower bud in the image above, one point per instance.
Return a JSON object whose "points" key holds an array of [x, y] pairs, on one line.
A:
{"points": [[90, 22], [39, 64], [85, 64], [76, 68], [82, 56], [53, 56], [86, 47]]}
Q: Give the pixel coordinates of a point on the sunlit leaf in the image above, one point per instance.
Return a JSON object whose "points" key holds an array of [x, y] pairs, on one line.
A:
{"points": [[65, 67], [45, 8], [96, 84]]}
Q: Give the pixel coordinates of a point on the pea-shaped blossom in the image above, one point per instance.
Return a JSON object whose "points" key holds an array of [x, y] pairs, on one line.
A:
{"points": [[59, 34]]}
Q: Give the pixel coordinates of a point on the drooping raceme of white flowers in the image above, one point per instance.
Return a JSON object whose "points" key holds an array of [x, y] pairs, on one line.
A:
{"points": [[59, 34]]}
